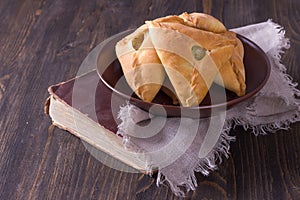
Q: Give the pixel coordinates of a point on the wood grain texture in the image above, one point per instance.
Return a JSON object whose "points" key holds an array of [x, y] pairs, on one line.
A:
{"points": [[43, 42]]}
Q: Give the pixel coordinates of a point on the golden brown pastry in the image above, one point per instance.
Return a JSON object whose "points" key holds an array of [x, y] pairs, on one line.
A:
{"points": [[191, 57], [194, 49], [197, 20], [140, 64], [203, 21], [232, 76]]}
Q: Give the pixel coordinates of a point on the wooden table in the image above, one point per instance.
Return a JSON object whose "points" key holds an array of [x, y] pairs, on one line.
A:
{"points": [[44, 42]]}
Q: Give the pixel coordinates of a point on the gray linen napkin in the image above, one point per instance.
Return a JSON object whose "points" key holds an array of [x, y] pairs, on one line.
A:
{"points": [[179, 147]]}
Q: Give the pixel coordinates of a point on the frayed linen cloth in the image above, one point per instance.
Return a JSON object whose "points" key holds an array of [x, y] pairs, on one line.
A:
{"points": [[179, 147]]}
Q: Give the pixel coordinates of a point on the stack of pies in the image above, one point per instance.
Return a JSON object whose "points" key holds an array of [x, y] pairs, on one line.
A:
{"points": [[190, 51]]}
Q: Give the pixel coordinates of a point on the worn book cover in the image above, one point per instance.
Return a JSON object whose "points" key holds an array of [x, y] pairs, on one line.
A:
{"points": [[89, 115]]}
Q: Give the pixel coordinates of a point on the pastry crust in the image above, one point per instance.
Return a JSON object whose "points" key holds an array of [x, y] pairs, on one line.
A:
{"points": [[203, 21], [171, 45], [190, 77], [197, 20], [140, 64], [232, 76]]}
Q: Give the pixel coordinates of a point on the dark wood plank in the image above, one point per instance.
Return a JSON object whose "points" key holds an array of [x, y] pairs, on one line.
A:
{"points": [[44, 42]]}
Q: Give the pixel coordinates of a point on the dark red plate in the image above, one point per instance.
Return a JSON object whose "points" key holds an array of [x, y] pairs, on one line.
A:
{"points": [[257, 69]]}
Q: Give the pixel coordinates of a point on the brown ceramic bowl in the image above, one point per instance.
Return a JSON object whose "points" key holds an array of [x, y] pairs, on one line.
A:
{"points": [[257, 68]]}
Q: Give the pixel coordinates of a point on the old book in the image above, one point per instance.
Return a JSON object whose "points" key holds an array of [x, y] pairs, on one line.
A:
{"points": [[83, 107]]}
